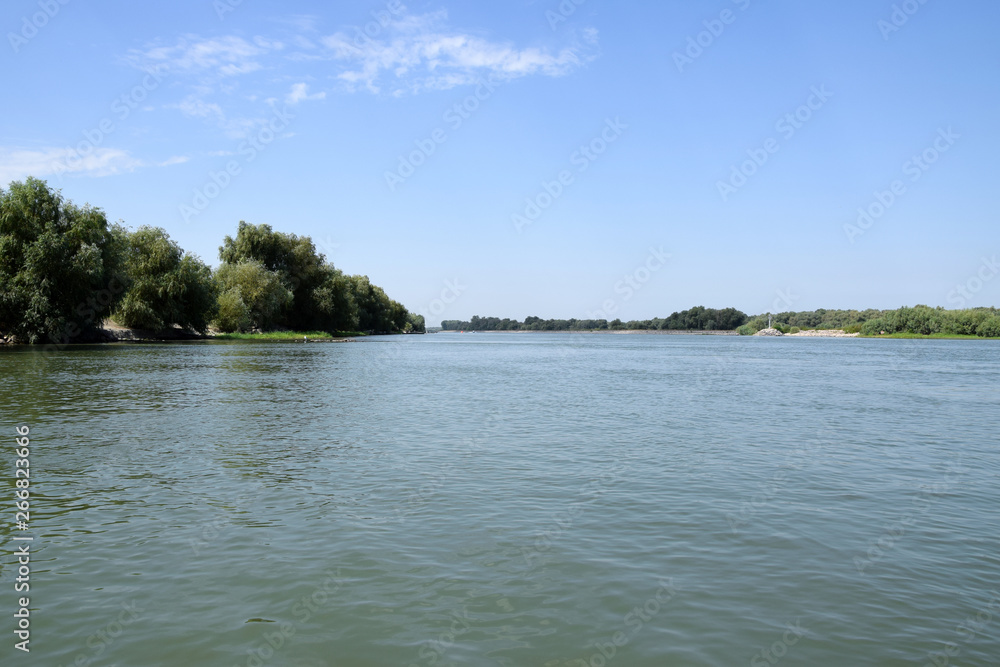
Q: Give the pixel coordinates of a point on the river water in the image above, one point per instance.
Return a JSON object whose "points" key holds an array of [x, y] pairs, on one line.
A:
{"points": [[508, 499]]}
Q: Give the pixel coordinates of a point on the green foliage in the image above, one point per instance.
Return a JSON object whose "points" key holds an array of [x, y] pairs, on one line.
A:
{"points": [[794, 330], [262, 293], [782, 327], [59, 265], [989, 328], [294, 259], [698, 318], [233, 313], [166, 286], [334, 305], [322, 298], [415, 324], [747, 330], [874, 327]]}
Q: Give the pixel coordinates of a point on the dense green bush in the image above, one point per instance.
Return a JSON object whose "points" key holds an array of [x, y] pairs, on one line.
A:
{"points": [[746, 330], [794, 330], [233, 313], [989, 328], [873, 327]]}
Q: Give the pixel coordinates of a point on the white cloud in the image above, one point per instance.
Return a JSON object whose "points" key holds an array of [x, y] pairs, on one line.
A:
{"points": [[194, 107], [300, 92], [222, 56], [419, 53], [177, 159], [17, 164]]}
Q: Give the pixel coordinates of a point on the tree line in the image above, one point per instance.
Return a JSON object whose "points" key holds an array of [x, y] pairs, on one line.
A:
{"points": [[920, 319], [925, 320], [698, 318], [64, 270]]}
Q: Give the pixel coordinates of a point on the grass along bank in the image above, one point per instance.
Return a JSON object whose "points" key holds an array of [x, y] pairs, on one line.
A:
{"points": [[289, 335]]}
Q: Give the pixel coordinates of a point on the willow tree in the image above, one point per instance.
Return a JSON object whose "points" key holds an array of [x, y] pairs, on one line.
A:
{"points": [[60, 265]]}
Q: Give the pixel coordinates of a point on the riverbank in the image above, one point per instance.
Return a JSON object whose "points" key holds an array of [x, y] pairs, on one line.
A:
{"points": [[650, 332]]}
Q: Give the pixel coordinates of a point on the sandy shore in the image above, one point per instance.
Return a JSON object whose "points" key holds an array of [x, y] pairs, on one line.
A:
{"points": [[827, 333]]}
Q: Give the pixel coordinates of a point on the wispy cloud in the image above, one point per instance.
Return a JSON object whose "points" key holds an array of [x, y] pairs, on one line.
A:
{"points": [[234, 83], [421, 53], [177, 159], [220, 56], [300, 92], [17, 164]]}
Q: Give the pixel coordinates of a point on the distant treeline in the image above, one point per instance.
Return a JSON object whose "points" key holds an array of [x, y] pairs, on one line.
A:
{"points": [[698, 318], [919, 319], [64, 269]]}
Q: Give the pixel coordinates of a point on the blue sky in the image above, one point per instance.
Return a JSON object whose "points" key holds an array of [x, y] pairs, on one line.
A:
{"points": [[573, 159]]}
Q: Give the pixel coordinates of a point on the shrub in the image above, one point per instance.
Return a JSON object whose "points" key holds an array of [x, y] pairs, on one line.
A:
{"points": [[794, 330], [853, 328], [233, 313], [874, 327], [746, 330], [989, 328]]}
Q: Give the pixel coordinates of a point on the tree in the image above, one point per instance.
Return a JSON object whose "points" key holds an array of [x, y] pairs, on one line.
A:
{"points": [[294, 259], [250, 296], [415, 324], [166, 285], [59, 265], [334, 304]]}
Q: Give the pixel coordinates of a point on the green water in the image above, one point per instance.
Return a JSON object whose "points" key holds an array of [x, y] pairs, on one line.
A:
{"points": [[555, 500]]}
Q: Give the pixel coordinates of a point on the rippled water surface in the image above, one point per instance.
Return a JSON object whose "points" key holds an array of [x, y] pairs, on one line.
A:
{"points": [[509, 499]]}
